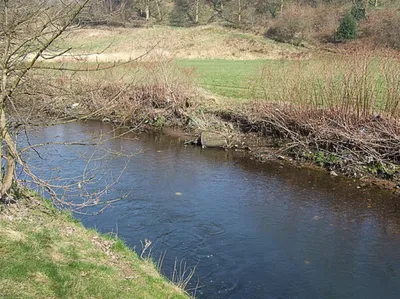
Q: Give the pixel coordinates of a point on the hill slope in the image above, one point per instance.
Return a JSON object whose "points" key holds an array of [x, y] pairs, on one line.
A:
{"points": [[47, 254], [203, 42]]}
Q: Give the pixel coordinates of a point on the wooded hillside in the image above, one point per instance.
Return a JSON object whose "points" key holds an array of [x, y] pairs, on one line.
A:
{"points": [[300, 22]]}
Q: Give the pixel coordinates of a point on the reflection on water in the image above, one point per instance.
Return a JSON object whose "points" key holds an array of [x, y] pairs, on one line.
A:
{"points": [[253, 230]]}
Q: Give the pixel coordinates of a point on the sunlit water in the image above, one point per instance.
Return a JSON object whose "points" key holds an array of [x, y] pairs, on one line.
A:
{"points": [[253, 230]]}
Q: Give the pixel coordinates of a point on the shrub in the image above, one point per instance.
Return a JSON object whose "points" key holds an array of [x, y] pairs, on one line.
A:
{"points": [[305, 23], [383, 28], [347, 28], [293, 26], [179, 15], [358, 10]]}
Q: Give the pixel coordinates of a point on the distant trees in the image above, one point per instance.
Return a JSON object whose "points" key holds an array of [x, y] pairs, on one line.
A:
{"points": [[244, 12], [294, 21], [358, 11]]}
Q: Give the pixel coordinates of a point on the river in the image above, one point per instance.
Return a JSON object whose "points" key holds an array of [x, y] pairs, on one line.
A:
{"points": [[253, 230]]}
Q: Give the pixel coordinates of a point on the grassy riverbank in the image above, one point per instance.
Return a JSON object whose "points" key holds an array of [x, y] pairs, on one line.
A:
{"points": [[45, 253]]}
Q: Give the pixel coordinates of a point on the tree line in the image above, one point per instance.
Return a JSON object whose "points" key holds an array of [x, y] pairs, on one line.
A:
{"points": [[192, 12], [293, 21]]}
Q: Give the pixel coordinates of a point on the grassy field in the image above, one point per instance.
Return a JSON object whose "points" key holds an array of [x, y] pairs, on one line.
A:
{"points": [[237, 79], [227, 78], [230, 64], [47, 254], [353, 82], [203, 42], [227, 62]]}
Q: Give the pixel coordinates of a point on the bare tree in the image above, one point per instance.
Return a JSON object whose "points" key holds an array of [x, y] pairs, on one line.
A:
{"points": [[28, 35], [28, 32]]}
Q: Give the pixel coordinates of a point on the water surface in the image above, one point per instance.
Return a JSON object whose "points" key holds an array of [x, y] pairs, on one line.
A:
{"points": [[254, 230]]}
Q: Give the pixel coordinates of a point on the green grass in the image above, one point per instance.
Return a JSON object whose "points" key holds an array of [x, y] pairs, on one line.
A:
{"points": [[228, 78], [227, 61], [45, 253], [359, 82]]}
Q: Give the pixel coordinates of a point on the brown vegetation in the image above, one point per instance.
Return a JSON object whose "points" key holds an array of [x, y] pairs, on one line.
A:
{"points": [[382, 27], [155, 93], [304, 23], [341, 112], [317, 25]]}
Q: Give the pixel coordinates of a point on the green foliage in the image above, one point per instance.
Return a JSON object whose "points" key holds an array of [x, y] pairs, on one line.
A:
{"points": [[324, 159], [382, 170], [159, 121], [358, 10], [179, 16], [347, 28]]}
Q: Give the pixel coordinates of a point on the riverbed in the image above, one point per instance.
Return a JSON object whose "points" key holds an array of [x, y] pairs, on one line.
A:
{"points": [[252, 230]]}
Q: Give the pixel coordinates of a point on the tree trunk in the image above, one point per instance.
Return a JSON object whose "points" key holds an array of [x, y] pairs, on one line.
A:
{"points": [[159, 10], [11, 155], [239, 11], [196, 17], [147, 11], [123, 12], [5, 178]]}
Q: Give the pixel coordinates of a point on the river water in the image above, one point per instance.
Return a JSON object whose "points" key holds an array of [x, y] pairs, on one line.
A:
{"points": [[253, 230]]}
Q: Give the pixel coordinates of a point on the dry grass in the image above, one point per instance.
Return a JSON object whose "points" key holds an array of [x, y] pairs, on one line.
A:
{"points": [[137, 94], [361, 84], [342, 111], [203, 42]]}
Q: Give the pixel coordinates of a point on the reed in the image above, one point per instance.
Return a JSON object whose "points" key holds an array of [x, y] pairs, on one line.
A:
{"points": [[346, 107], [356, 85]]}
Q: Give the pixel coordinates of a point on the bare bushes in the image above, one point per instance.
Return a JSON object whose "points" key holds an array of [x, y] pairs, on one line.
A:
{"points": [[303, 23], [345, 106], [325, 23], [352, 145], [149, 92], [383, 27], [359, 84]]}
